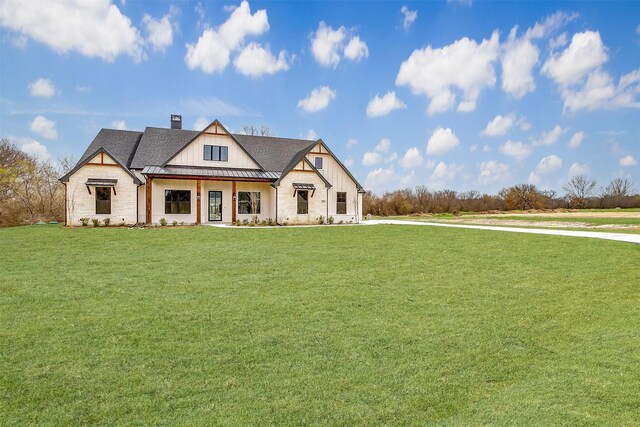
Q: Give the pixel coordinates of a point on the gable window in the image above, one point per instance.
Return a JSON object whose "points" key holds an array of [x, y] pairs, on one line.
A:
{"points": [[303, 201], [318, 163], [249, 202], [177, 201], [216, 153], [103, 200], [341, 202]]}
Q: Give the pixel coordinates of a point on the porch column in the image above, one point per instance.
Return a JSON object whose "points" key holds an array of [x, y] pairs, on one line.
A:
{"points": [[198, 203], [233, 202], [148, 190]]}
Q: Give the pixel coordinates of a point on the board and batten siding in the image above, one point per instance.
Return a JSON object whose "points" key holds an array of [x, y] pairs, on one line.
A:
{"points": [[193, 154], [341, 182], [81, 204], [288, 203]]}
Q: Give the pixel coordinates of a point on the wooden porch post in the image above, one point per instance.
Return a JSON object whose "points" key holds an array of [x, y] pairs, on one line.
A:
{"points": [[199, 202], [148, 189], [233, 202]]}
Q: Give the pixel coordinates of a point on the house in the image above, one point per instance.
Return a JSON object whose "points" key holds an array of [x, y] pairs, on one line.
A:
{"points": [[211, 176]]}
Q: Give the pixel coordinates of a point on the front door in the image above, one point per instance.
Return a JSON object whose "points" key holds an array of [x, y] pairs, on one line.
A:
{"points": [[215, 205]]}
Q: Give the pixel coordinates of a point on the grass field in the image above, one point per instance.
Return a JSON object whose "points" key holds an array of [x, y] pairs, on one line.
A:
{"points": [[325, 325]]}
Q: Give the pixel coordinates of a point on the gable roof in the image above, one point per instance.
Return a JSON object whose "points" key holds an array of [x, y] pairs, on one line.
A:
{"points": [[120, 144], [158, 145], [344, 168], [271, 153], [301, 156], [86, 158]]}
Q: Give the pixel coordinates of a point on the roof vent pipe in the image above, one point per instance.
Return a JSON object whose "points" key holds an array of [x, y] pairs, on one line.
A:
{"points": [[176, 121]]}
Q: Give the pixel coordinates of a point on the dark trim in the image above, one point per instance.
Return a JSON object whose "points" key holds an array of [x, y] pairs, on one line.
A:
{"points": [[307, 161], [65, 177], [358, 186], [209, 205]]}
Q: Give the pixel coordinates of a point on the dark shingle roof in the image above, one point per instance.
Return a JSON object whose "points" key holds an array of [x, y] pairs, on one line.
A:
{"points": [[157, 145], [273, 154], [119, 143]]}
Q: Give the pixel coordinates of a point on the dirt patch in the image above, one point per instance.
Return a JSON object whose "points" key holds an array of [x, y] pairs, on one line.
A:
{"points": [[537, 224]]}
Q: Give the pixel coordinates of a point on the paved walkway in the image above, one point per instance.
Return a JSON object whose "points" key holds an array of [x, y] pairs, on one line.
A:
{"points": [[620, 237]]}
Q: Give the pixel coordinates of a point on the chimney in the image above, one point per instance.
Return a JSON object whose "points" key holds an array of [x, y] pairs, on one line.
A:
{"points": [[176, 121]]}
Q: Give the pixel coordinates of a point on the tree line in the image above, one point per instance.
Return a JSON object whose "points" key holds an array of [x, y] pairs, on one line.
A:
{"points": [[580, 192]]}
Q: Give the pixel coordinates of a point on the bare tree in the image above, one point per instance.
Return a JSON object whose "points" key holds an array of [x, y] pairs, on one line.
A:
{"points": [[619, 187], [253, 130], [523, 197], [578, 190]]}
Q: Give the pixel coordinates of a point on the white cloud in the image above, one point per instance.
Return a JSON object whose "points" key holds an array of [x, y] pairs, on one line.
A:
{"points": [[327, 43], [92, 28], [465, 65], [411, 159], [534, 178], [576, 140], [380, 179], [499, 125], [628, 161], [486, 148], [518, 59], [159, 31], [585, 53], [312, 135], [599, 91], [351, 142], [19, 41], [381, 106], [44, 127], [391, 158], [548, 164], [83, 89], [445, 173], [550, 24], [349, 162], [356, 49], [318, 99], [201, 123], [371, 158], [119, 124], [43, 88], [255, 60], [558, 41], [430, 164], [517, 150], [35, 149], [492, 172], [550, 137], [579, 169], [211, 52], [409, 17], [441, 141], [383, 146]]}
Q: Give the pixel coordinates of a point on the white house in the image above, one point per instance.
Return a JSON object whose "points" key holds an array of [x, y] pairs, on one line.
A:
{"points": [[210, 176]]}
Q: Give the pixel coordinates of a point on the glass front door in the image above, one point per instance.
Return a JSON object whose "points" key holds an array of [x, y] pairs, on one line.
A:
{"points": [[215, 205]]}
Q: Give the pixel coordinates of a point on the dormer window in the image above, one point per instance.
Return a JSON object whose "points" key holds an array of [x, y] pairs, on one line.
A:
{"points": [[216, 153]]}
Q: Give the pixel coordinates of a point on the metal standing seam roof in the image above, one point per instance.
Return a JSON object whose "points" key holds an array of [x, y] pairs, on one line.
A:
{"points": [[299, 186], [102, 182], [210, 172]]}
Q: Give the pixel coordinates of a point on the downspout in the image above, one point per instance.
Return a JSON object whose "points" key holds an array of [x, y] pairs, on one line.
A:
{"points": [[327, 218], [66, 206], [276, 205]]}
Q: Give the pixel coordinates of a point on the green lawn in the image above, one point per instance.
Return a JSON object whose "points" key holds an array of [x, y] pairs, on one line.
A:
{"points": [[322, 325]]}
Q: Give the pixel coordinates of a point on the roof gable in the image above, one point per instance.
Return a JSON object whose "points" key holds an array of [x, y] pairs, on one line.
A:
{"points": [[360, 189], [121, 145], [273, 154], [157, 145], [91, 156]]}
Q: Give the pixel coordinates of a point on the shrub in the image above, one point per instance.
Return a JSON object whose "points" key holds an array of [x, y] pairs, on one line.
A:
{"points": [[163, 222], [238, 222], [84, 221], [174, 223], [245, 221], [320, 219], [96, 222], [269, 221], [106, 221], [330, 220], [263, 222]]}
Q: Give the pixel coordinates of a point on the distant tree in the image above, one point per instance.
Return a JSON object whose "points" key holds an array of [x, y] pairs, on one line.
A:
{"points": [[253, 130], [578, 191], [522, 197], [619, 187]]}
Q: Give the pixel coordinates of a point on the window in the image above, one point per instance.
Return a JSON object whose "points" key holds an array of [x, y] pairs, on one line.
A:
{"points": [[177, 201], [103, 200], [303, 201], [318, 162], [341, 199], [216, 153], [249, 202]]}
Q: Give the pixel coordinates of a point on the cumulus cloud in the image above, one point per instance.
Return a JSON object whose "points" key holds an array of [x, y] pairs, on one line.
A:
{"points": [[312, 135], [328, 44], [411, 159], [212, 50], [381, 106], [599, 91], [255, 60], [441, 141], [627, 161], [550, 137], [500, 125], [34, 148], [444, 173], [576, 140], [201, 123], [44, 127], [492, 172], [380, 179], [159, 31], [43, 88], [383, 146], [465, 65], [545, 165], [518, 59], [92, 28], [119, 124], [517, 150], [351, 142], [318, 99], [585, 53], [409, 17], [579, 169], [371, 158]]}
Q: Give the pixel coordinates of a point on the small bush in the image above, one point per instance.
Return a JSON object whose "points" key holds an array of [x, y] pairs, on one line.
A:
{"points": [[320, 219], [181, 222], [331, 219], [174, 223], [269, 221], [263, 222], [106, 221], [96, 222], [245, 221], [238, 223], [163, 222], [84, 221]]}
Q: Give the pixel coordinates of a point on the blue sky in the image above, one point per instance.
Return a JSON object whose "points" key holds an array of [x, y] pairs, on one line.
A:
{"points": [[459, 95]]}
